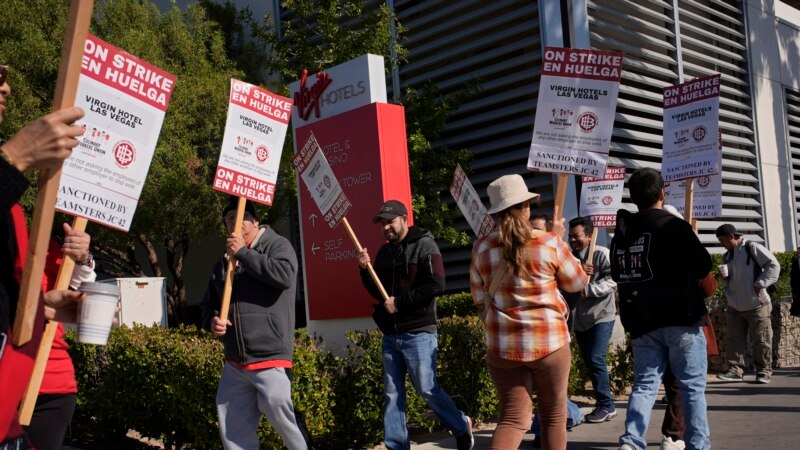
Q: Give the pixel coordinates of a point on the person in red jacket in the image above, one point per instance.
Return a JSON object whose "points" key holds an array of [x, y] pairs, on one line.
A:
{"points": [[43, 144], [58, 392]]}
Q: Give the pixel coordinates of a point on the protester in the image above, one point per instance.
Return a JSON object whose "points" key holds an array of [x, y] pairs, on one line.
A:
{"points": [[751, 270], [544, 222], [526, 330], [409, 266], [257, 335], [57, 397], [541, 222], [43, 144], [657, 261], [595, 313], [672, 427]]}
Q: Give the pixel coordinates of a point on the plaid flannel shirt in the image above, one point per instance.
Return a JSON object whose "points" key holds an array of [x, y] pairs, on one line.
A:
{"points": [[527, 317]]}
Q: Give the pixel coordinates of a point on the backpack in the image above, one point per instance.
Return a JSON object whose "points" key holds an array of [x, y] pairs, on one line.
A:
{"points": [[757, 269]]}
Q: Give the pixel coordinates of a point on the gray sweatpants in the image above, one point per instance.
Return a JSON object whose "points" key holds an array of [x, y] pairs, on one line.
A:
{"points": [[243, 394]]}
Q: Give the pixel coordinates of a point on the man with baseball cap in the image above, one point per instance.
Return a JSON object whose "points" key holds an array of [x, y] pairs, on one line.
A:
{"points": [[258, 333], [411, 271], [751, 270]]}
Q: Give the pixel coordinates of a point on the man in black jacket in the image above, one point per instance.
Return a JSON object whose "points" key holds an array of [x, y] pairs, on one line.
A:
{"points": [[657, 261], [258, 334], [410, 269]]}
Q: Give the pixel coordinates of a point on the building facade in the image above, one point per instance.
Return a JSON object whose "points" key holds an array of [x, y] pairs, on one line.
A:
{"points": [[753, 44]]}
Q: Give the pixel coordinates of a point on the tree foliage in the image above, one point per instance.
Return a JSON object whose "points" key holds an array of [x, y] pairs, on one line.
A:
{"points": [[317, 35], [177, 205]]}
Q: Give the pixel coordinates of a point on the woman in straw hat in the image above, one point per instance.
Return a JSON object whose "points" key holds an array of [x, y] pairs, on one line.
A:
{"points": [[514, 278]]}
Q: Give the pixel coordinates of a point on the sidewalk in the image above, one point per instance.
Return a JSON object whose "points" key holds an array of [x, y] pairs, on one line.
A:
{"points": [[741, 415]]}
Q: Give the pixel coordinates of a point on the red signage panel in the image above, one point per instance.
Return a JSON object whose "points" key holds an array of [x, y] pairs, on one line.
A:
{"points": [[366, 148]]}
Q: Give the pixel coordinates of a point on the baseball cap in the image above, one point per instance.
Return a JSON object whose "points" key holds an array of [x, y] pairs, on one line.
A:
{"points": [[233, 203], [727, 229], [390, 210]]}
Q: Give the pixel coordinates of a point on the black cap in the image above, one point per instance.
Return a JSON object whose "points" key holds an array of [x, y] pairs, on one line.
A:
{"points": [[727, 229], [233, 203], [390, 210]]}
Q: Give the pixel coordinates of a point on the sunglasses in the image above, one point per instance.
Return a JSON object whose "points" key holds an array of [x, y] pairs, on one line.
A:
{"points": [[3, 73]]}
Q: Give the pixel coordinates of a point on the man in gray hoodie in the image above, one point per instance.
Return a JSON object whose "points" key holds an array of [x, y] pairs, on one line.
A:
{"points": [[594, 312], [751, 270], [257, 335]]}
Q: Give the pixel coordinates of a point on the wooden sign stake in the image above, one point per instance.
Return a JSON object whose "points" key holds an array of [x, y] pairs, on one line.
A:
{"points": [[226, 292], [369, 266], [80, 15]]}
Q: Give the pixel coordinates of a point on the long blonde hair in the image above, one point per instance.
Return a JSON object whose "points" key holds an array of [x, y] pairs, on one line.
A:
{"points": [[514, 232]]}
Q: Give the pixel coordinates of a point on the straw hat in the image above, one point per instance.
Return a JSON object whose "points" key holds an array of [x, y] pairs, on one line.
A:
{"points": [[506, 192]]}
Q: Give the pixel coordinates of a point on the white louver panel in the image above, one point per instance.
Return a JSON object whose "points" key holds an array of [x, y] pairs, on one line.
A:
{"points": [[793, 125], [712, 40], [497, 45]]}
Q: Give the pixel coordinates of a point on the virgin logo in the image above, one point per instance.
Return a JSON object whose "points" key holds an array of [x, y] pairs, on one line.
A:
{"points": [[307, 98]]}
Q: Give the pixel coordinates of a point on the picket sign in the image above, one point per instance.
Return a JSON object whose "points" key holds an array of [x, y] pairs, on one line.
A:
{"points": [[62, 283], [69, 70]]}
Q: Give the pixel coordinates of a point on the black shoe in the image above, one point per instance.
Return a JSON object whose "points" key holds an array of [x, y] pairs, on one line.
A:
{"points": [[762, 378], [466, 440], [537, 442], [730, 375]]}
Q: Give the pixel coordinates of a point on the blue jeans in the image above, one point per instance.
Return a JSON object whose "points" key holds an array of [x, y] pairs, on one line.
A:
{"points": [[414, 353], [593, 344], [685, 349]]}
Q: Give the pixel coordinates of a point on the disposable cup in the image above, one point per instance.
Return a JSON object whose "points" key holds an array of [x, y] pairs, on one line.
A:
{"points": [[96, 312], [723, 270]]}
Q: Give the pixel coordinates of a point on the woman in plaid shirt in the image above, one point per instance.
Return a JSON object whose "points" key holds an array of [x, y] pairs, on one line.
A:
{"points": [[526, 319]]}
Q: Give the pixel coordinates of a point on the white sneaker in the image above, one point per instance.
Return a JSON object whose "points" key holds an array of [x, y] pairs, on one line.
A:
{"points": [[668, 444], [626, 447]]}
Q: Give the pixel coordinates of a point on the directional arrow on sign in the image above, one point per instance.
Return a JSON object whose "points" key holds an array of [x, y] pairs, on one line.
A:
{"points": [[313, 219], [314, 248]]}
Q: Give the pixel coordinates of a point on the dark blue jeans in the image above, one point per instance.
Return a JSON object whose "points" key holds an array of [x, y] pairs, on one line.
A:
{"points": [[593, 344]]}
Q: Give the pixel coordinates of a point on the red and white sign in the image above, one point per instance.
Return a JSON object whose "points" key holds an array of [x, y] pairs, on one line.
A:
{"points": [[350, 85], [707, 196], [601, 197], [470, 204], [124, 99], [313, 168], [691, 129], [366, 149], [253, 142], [575, 111]]}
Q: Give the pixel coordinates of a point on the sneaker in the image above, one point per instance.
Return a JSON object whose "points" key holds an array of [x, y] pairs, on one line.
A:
{"points": [[626, 447], [668, 444], [762, 378], [466, 440], [730, 375], [601, 414]]}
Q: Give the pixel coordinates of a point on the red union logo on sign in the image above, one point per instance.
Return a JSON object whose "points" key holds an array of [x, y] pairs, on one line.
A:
{"points": [[306, 98], [587, 121], [262, 153], [124, 153]]}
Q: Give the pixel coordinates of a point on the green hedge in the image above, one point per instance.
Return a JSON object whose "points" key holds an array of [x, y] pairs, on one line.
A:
{"points": [[162, 383]]}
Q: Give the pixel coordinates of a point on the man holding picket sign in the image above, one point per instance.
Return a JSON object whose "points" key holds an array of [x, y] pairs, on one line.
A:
{"points": [[257, 324]]}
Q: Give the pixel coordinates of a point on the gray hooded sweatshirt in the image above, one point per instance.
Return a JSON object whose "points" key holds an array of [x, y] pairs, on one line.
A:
{"points": [[741, 282]]}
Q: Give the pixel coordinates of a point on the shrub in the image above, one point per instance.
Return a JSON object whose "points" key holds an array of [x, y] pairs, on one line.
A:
{"points": [[458, 304]]}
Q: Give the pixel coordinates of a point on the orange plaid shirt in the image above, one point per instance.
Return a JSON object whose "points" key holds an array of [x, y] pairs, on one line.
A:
{"points": [[527, 319]]}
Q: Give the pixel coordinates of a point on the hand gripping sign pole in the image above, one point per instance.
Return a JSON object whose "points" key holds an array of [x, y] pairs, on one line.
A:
{"points": [[32, 392], [226, 291], [80, 14], [313, 168]]}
